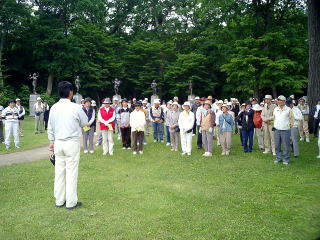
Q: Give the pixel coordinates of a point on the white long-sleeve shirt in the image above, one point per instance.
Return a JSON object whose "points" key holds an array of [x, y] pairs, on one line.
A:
{"points": [[10, 114], [65, 121], [297, 116], [100, 119], [186, 121], [137, 120]]}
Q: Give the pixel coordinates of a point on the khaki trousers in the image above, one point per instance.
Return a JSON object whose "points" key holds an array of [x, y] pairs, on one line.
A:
{"points": [[67, 156], [303, 129], [39, 123], [21, 127], [107, 141], [175, 138], [268, 140], [259, 133], [225, 141]]}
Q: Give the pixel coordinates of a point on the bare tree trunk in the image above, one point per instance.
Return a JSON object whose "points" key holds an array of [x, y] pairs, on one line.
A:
{"points": [[314, 54], [1, 51], [256, 93], [49, 84], [274, 92]]}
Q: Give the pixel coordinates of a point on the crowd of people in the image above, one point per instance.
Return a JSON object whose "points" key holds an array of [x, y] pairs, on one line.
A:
{"points": [[274, 122]]}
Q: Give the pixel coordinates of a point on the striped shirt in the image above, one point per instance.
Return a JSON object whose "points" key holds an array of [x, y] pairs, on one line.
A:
{"points": [[10, 114]]}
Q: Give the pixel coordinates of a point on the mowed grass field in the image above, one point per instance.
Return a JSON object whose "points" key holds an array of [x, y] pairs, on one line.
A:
{"points": [[163, 195], [28, 141]]}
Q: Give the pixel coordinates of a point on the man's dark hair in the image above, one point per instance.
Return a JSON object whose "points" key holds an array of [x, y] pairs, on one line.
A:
{"points": [[64, 89]]}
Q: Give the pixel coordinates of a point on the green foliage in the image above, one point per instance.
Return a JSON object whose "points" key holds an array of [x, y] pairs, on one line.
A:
{"points": [[51, 99], [6, 93], [226, 48]]}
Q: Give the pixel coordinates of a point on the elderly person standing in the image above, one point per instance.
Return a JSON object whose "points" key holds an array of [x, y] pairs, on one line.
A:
{"points": [[137, 123], [88, 134], [22, 112], [157, 118], [246, 117], [168, 109], [11, 116], [257, 120], [172, 120], [218, 113], [106, 117], [267, 125], [225, 129], [1, 124], [294, 129], [194, 108], [38, 109], [283, 121], [316, 115], [303, 124], [64, 128], [197, 120], [185, 122], [146, 108], [207, 123], [123, 119]]}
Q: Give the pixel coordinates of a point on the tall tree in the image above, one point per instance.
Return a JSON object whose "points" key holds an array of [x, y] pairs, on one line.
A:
{"points": [[314, 53]]}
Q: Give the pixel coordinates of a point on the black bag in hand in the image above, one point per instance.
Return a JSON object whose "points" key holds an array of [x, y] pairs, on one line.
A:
{"points": [[52, 159]]}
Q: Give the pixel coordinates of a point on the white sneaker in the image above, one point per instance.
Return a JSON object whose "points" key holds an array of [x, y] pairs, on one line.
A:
{"points": [[205, 154], [189, 154], [301, 139], [285, 163], [123, 148], [140, 152], [209, 154], [161, 141], [168, 144], [91, 151], [129, 148], [104, 154], [96, 134], [193, 135], [134, 153], [265, 152], [172, 149], [307, 140], [17, 147], [85, 151], [274, 154], [111, 154], [119, 137], [183, 153], [154, 141], [97, 144]]}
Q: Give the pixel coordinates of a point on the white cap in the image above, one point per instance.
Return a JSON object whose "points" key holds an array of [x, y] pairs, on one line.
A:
{"points": [[144, 101], [170, 102], [186, 104], [220, 102], [18, 99], [268, 96], [197, 98], [156, 101], [175, 103], [38, 98], [175, 97], [115, 99], [257, 107]]}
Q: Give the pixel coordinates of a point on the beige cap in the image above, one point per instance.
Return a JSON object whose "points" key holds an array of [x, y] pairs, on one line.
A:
{"points": [[268, 96], [282, 98]]}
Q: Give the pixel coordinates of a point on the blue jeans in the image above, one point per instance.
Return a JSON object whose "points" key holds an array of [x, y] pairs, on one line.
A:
{"points": [[282, 137], [157, 131], [245, 135], [168, 134]]}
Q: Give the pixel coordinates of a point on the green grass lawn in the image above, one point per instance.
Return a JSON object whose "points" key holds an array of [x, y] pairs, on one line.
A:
{"points": [[163, 195], [30, 139]]}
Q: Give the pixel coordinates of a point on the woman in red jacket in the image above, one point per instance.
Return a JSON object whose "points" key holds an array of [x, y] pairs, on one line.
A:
{"points": [[257, 120]]}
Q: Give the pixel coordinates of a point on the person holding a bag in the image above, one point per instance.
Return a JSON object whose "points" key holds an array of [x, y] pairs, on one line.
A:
{"points": [[172, 121], [207, 122], [106, 117], [225, 129], [185, 122]]}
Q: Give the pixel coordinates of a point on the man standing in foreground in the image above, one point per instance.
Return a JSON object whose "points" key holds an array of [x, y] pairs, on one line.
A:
{"points": [[283, 121], [64, 129]]}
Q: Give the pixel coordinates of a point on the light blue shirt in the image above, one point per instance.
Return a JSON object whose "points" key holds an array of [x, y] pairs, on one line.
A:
{"points": [[65, 121]]}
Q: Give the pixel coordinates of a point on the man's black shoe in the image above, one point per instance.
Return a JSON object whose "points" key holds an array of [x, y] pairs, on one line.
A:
{"points": [[60, 206], [79, 204]]}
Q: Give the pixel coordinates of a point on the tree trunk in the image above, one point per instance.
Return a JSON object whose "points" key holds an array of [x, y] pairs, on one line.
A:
{"points": [[314, 54], [256, 93], [274, 92], [49, 84], [1, 51]]}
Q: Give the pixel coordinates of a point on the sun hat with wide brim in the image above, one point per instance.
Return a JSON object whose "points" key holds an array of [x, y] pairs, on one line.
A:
{"points": [[186, 104], [106, 101]]}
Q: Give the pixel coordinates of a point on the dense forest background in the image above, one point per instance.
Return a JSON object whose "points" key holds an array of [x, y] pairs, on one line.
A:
{"points": [[227, 48]]}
